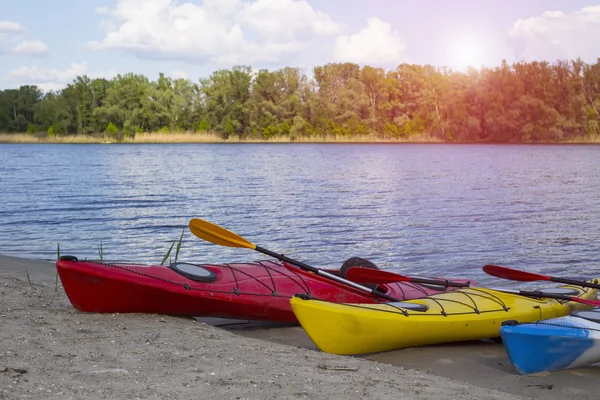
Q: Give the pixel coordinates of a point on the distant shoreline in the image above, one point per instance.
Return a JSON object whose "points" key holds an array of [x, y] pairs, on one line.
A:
{"points": [[191, 138]]}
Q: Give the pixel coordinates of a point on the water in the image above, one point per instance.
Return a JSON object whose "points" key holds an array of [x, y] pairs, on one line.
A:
{"points": [[443, 210]]}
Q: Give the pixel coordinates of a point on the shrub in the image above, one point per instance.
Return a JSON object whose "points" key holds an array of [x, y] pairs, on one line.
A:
{"points": [[112, 129], [204, 125]]}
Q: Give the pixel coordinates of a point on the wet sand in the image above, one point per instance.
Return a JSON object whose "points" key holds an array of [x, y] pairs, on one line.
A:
{"points": [[48, 349]]}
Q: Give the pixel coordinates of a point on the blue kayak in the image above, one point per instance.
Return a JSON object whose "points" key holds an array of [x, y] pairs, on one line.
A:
{"points": [[553, 344]]}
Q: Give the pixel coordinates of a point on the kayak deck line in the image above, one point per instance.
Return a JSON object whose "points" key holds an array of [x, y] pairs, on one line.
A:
{"points": [[303, 285], [396, 307]]}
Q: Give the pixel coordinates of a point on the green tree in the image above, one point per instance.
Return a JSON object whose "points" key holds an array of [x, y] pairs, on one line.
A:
{"points": [[226, 99]]}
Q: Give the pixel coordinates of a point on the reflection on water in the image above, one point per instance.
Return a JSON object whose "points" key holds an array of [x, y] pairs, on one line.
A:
{"points": [[442, 210]]}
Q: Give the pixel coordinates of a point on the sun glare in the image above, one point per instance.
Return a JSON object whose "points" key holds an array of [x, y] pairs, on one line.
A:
{"points": [[466, 52]]}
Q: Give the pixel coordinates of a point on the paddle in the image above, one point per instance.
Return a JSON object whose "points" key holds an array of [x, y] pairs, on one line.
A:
{"points": [[541, 294], [388, 277], [516, 275], [221, 236], [369, 275]]}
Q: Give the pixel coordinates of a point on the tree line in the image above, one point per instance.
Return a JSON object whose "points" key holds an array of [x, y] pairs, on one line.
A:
{"points": [[522, 102]]}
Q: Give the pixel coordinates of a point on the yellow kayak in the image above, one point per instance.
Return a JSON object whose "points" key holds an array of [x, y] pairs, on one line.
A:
{"points": [[465, 314]]}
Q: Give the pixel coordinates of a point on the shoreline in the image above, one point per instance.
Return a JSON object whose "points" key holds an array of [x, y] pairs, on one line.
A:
{"points": [[51, 350], [212, 138]]}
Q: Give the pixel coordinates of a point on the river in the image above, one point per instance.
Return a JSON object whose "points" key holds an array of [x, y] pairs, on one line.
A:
{"points": [[420, 209]]}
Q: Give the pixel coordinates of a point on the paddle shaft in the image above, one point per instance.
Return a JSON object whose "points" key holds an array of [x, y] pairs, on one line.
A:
{"points": [[368, 275], [540, 294], [440, 282], [523, 276], [325, 274], [574, 282]]}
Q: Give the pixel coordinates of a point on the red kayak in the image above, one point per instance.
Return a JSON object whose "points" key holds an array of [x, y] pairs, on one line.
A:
{"points": [[256, 290]]}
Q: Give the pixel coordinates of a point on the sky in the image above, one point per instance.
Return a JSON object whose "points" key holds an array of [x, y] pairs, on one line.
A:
{"points": [[50, 42]]}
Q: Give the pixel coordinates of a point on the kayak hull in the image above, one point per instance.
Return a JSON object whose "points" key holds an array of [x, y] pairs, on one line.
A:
{"points": [[461, 315], [257, 290], [552, 344]]}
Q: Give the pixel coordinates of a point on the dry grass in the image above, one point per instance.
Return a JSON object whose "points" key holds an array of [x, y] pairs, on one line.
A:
{"points": [[584, 140], [182, 137], [31, 138], [211, 137], [18, 138]]}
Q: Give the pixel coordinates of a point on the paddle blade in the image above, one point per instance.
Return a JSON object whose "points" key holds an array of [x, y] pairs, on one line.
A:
{"points": [[217, 235], [513, 274], [369, 275]]}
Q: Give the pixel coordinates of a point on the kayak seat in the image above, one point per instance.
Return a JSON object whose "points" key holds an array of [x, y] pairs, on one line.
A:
{"points": [[360, 262], [194, 272], [591, 315]]}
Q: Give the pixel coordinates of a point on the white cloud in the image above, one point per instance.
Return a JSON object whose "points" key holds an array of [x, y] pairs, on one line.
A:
{"points": [[285, 20], [10, 27], [46, 78], [558, 35], [9, 30], [32, 48], [375, 44], [217, 31]]}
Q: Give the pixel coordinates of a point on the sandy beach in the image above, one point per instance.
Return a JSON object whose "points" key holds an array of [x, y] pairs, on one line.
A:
{"points": [[48, 349]]}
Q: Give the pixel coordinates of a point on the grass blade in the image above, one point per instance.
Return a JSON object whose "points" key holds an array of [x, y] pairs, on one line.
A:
{"points": [[168, 253], [179, 245]]}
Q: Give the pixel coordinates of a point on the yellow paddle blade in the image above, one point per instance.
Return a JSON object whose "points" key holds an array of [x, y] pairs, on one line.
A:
{"points": [[217, 235]]}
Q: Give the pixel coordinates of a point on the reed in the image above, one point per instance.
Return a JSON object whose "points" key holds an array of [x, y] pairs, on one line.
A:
{"points": [[167, 255], [33, 138], [179, 245], [212, 137], [584, 140], [18, 138], [171, 249], [175, 137], [101, 251]]}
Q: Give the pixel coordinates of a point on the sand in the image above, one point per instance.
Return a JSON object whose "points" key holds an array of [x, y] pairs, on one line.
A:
{"points": [[48, 350]]}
